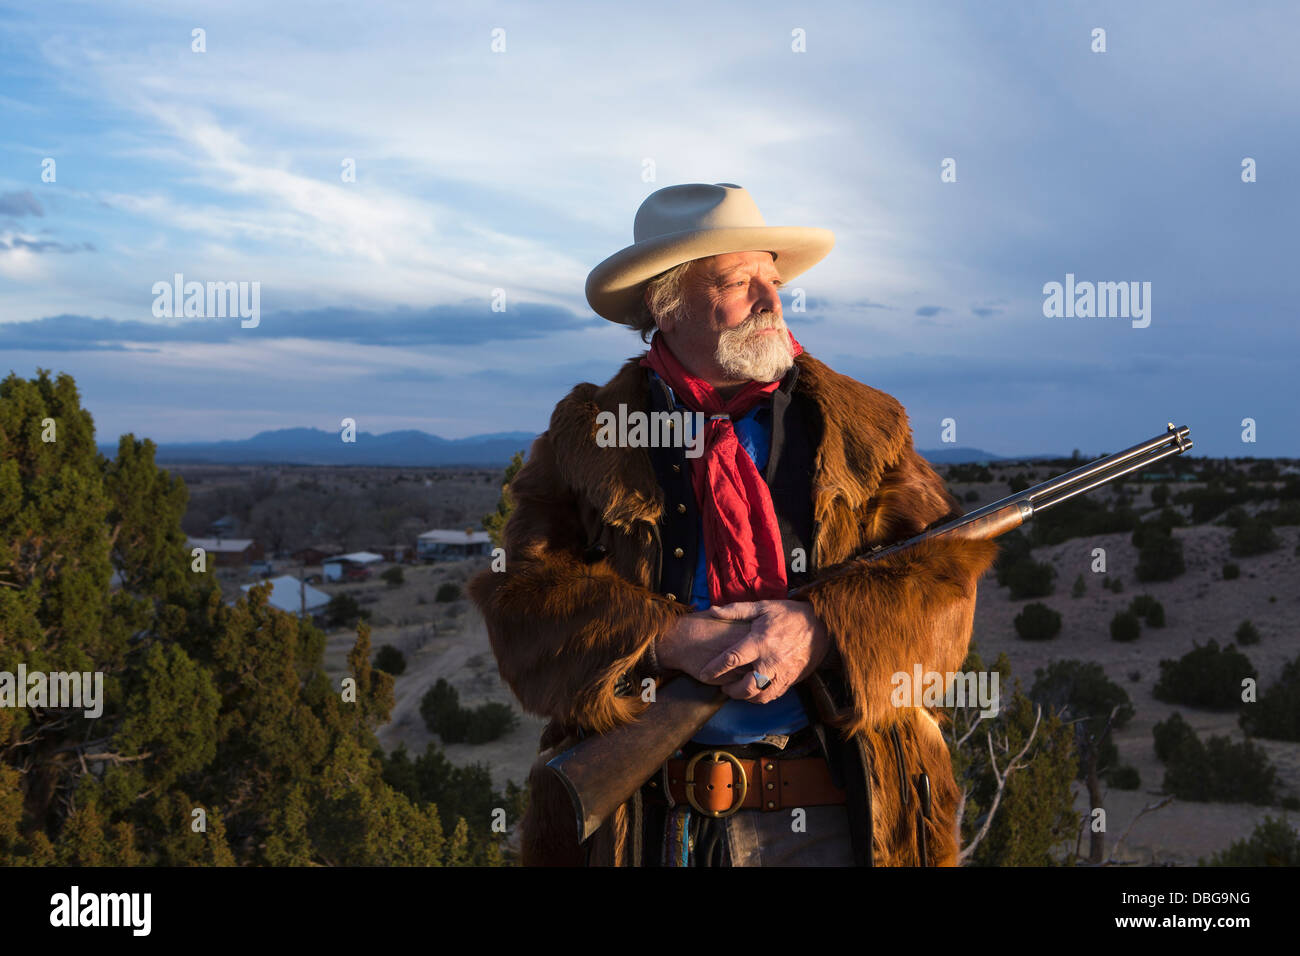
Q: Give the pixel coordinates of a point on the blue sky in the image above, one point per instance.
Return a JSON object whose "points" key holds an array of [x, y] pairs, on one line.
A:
{"points": [[521, 170]]}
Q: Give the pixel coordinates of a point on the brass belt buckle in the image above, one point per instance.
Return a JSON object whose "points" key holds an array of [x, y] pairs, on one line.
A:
{"points": [[717, 756]]}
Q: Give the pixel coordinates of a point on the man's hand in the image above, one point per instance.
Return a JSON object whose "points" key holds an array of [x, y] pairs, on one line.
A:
{"points": [[696, 640], [786, 642]]}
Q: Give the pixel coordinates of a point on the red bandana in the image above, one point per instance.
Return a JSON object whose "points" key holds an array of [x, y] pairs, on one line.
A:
{"points": [[742, 541]]}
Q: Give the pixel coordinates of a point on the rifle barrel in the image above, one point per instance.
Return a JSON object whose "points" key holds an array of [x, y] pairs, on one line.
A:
{"points": [[1081, 479]]}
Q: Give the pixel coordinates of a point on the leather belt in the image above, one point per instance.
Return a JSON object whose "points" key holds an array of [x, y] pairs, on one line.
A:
{"points": [[718, 784]]}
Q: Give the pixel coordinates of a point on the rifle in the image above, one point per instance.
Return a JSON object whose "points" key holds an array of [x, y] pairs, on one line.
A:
{"points": [[602, 771]]}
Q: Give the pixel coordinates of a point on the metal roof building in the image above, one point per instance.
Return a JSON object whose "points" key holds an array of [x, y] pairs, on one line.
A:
{"points": [[291, 595]]}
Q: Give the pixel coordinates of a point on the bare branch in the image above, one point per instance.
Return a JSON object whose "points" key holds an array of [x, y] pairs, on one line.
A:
{"points": [[118, 758], [1149, 808], [1012, 766]]}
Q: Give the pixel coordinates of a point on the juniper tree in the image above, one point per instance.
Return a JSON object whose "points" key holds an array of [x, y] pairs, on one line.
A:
{"points": [[221, 739], [1082, 694], [1016, 772], [495, 522]]}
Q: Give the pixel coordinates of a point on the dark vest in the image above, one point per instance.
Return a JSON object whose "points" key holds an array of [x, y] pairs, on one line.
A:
{"points": [[795, 438]]}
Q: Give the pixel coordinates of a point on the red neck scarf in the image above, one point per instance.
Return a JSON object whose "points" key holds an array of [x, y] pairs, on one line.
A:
{"points": [[742, 541]]}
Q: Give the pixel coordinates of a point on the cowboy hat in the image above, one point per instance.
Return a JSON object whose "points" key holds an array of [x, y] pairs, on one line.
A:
{"points": [[693, 221]]}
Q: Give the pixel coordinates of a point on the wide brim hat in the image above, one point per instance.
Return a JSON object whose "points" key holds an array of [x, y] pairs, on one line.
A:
{"points": [[693, 221]]}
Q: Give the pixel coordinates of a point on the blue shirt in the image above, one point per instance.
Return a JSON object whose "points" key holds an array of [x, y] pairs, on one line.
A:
{"points": [[739, 721]]}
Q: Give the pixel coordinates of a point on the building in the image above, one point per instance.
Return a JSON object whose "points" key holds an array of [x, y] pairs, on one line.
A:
{"points": [[293, 596], [396, 553], [452, 545], [317, 553], [223, 527], [227, 552], [336, 567]]}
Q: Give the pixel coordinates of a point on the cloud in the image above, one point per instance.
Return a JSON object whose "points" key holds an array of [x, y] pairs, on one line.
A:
{"points": [[930, 310], [20, 204], [45, 245], [466, 323]]}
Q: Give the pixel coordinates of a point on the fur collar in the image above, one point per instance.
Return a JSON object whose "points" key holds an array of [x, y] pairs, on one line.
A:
{"points": [[865, 431]]}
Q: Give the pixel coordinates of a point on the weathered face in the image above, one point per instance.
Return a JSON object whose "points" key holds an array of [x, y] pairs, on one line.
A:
{"points": [[732, 329]]}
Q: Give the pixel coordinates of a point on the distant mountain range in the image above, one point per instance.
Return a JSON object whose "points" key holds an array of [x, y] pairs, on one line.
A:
{"points": [[312, 446], [962, 456], [410, 448]]}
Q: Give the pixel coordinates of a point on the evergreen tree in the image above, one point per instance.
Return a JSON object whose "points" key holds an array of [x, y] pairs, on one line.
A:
{"points": [[1034, 822], [221, 739], [495, 522]]}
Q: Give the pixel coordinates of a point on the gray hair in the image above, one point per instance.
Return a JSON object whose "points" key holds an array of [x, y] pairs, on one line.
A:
{"points": [[666, 298]]}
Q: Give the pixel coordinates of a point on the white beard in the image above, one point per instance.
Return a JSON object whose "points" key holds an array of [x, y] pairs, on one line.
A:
{"points": [[745, 353]]}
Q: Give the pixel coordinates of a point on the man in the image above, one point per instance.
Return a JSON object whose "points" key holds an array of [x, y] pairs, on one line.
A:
{"points": [[633, 562]]}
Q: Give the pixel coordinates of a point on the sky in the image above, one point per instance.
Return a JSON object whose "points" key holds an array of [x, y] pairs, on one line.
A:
{"points": [[502, 150]]}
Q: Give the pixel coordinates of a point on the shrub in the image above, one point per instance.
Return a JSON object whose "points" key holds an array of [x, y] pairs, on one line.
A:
{"points": [[1276, 715], [1145, 606], [1160, 558], [1038, 622], [394, 576], [487, 722], [1030, 579], [390, 660], [441, 710], [1220, 771], [1160, 495], [1158, 526], [1080, 588], [969, 472], [1081, 692], [1271, 843], [1125, 626], [1156, 616], [972, 495], [1171, 734], [1231, 572], [1019, 482], [1207, 502], [448, 592], [1124, 778], [1080, 517], [1205, 677], [1287, 514], [1253, 537], [1247, 633], [444, 716], [344, 611], [1013, 547], [462, 795], [1236, 516]]}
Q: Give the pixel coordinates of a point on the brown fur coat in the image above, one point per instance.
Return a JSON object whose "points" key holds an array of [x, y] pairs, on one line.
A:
{"points": [[564, 631]]}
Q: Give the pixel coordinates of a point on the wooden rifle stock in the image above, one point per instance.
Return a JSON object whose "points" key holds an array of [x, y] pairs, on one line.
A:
{"points": [[604, 770]]}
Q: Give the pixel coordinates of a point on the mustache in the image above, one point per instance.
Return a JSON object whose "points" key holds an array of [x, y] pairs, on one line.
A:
{"points": [[759, 322]]}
